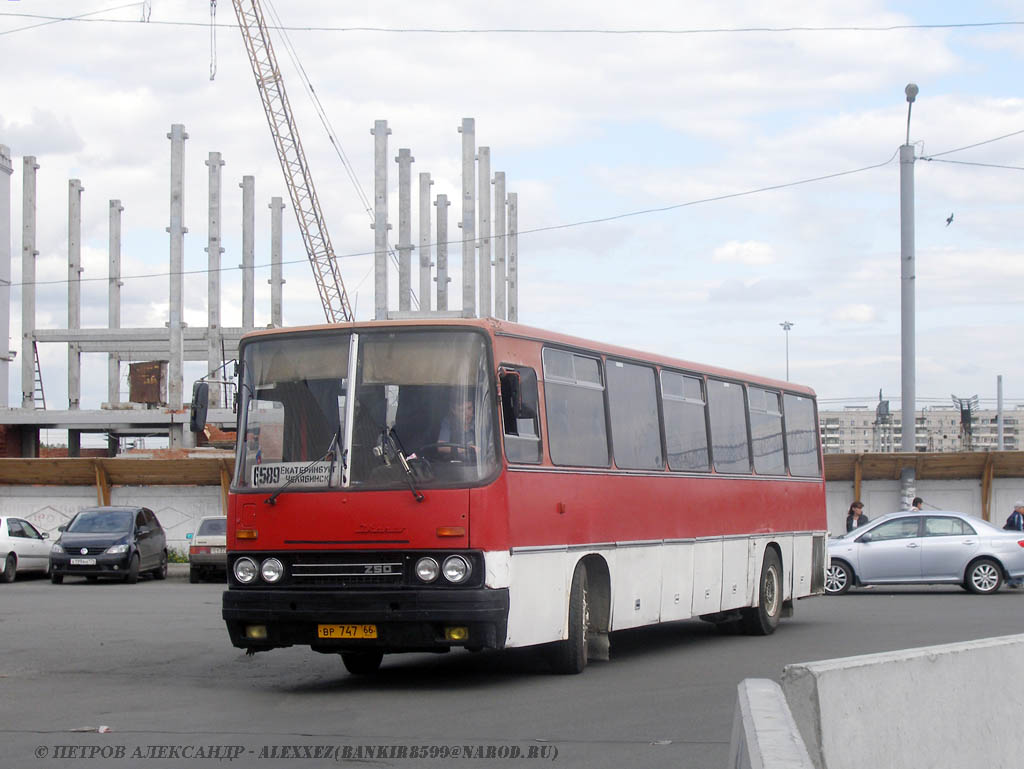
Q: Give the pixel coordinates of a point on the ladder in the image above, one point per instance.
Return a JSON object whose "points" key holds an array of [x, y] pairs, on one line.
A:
{"points": [[38, 396]]}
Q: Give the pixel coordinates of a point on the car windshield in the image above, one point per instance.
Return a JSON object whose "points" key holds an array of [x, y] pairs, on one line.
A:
{"points": [[426, 396], [102, 522], [212, 526]]}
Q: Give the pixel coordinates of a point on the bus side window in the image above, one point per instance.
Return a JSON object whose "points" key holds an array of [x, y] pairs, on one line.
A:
{"points": [[519, 413]]}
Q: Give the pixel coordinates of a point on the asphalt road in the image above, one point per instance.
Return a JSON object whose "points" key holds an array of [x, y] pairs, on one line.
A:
{"points": [[152, 663]]}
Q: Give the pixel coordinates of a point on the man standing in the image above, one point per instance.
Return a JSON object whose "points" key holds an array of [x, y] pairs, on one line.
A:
{"points": [[1016, 520]]}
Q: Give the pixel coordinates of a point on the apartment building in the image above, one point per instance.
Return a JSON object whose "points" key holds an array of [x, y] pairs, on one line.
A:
{"points": [[860, 429]]}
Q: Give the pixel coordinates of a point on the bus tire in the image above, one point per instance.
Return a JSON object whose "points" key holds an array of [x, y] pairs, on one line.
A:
{"points": [[569, 657], [362, 663], [764, 618]]}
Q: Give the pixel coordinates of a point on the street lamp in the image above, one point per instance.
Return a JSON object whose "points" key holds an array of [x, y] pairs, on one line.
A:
{"points": [[786, 326]]}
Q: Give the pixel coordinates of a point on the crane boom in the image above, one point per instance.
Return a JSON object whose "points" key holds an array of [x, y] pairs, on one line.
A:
{"points": [[297, 175]]}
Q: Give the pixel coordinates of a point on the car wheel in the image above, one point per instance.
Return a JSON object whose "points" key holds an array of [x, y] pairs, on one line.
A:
{"points": [[570, 656], [132, 576], [838, 578], [160, 572], [193, 574], [362, 663], [10, 567], [56, 578], [984, 576], [764, 618]]}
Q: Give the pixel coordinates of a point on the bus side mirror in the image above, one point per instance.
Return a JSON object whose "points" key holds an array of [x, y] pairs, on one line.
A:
{"points": [[200, 404]]}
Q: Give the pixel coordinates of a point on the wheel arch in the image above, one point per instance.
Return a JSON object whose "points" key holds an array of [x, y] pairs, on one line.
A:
{"points": [[995, 559], [599, 590]]}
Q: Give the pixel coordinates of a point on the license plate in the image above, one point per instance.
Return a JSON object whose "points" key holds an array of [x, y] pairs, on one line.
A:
{"points": [[217, 549], [346, 631], [83, 561]]}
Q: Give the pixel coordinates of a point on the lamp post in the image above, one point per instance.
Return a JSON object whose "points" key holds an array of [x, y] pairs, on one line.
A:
{"points": [[786, 326], [907, 276]]}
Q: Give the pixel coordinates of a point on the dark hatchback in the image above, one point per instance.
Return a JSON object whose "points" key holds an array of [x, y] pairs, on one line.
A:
{"points": [[119, 542]]}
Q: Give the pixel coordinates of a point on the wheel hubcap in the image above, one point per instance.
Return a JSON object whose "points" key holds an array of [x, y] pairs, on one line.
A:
{"points": [[985, 577], [771, 592], [835, 579]]}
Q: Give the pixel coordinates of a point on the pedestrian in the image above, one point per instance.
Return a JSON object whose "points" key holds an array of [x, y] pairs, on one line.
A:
{"points": [[856, 516], [1015, 522], [917, 504]]}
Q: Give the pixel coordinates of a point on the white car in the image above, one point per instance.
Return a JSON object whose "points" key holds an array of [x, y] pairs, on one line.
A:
{"points": [[22, 548]]}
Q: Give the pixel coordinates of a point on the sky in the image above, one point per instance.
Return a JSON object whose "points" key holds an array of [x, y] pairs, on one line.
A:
{"points": [[689, 175]]}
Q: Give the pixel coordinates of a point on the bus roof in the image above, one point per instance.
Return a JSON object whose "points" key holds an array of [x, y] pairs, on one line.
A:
{"points": [[507, 328]]}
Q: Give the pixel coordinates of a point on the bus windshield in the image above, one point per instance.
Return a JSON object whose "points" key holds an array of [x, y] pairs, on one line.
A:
{"points": [[422, 396]]}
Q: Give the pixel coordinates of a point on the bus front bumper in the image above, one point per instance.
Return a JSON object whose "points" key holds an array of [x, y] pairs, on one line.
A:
{"points": [[384, 620]]}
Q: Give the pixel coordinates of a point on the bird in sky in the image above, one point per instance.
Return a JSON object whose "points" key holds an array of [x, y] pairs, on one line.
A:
{"points": [[949, 220]]}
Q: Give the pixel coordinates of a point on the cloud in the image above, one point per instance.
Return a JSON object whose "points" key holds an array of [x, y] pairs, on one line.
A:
{"points": [[855, 313], [748, 252]]}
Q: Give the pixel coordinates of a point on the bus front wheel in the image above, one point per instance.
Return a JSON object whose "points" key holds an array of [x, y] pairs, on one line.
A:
{"points": [[362, 663], [570, 656], [763, 618]]}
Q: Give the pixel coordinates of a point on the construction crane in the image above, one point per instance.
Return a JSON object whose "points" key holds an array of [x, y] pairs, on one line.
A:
{"points": [[297, 175]]}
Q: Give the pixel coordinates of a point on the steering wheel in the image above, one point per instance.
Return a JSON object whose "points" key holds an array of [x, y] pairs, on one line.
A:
{"points": [[444, 451]]}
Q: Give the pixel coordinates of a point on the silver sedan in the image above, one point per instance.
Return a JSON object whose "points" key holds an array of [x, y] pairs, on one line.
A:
{"points": [[938, 547]]}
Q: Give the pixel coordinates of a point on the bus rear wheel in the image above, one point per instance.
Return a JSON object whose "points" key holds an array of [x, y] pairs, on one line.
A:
{"points": [[570, 656], [362, 663], [764, 618]]}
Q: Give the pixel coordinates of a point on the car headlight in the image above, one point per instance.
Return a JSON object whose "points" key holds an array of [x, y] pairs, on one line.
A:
{"points": [[117, 549], [271, 570], [427, 569], [245, 570], [456, 569], [56, 548]]}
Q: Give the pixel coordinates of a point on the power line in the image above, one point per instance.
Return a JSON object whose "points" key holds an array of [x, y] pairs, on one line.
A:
{"points": [[983, 165], [561, 30], [57, 19], [976, 144]]}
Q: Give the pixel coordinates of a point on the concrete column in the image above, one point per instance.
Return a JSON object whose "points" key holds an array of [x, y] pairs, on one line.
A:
{"points": [[75, 190], [442, 253], [484, 256], [6, 353], [28, 280], [405, 161], [214, 249], [276, 274], [175, 321], [248, 264], [513, 256], [468, 131], [380, 224], [425, 249], [114, 284], [500, 239]]}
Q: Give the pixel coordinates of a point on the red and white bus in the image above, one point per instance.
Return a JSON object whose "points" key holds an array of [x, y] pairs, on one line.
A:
{"points": [[422, 485]]}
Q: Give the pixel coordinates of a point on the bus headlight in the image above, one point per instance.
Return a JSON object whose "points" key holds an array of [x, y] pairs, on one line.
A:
{"points": [[456, 569], [271, 570], [427, 569], [245, 570]]}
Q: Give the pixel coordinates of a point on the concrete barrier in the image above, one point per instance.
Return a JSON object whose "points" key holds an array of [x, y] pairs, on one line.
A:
{"points": [[950, 706], [764, 735], [942, 707]]}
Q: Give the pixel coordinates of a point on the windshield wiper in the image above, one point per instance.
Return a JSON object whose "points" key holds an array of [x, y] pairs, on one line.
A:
{"points": [[390, 446], [331, 450]]}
